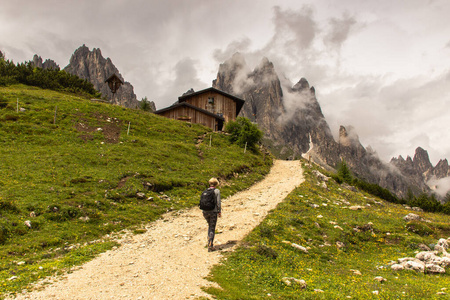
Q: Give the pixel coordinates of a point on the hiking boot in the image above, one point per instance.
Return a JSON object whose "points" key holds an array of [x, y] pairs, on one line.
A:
{"points": [[210, 246]]}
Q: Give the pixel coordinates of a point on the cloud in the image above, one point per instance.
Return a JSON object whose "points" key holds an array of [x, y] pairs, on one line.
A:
{"points": [[185, 77], [440, 186], [339, 30], [294, 28], [241, 45]]}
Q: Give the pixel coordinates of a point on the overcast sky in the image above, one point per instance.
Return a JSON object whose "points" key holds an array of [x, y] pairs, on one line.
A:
{"points": [[382, 66]]}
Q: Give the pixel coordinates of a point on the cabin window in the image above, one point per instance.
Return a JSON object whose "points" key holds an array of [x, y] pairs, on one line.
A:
{"points": [[211, 100]]}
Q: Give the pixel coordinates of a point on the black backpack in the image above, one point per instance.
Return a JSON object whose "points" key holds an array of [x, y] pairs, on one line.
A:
{"points": [[207, 200]]}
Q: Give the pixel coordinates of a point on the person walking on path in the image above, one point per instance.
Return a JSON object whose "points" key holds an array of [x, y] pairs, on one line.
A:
{"points": [[209, 214]]}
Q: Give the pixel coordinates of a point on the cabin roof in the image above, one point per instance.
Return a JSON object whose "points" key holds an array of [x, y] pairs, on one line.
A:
{"points": [[179, 104], [239, 102]]}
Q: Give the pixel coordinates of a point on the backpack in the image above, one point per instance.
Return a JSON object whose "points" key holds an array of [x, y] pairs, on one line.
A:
{"points": [[207, 200]]}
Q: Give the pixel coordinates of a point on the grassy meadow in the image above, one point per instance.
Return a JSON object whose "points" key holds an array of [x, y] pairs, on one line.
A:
{"points": [[318, 218], [73, 171]]}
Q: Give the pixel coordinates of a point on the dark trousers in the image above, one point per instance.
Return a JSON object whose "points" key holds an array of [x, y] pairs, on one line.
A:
{"points": [[211, 218]]}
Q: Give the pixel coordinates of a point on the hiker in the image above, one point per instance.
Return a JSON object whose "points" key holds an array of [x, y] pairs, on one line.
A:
{"points": [[211, 207]]}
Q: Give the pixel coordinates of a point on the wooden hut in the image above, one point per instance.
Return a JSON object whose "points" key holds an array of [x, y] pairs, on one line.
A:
{"points": [[210, 107]]}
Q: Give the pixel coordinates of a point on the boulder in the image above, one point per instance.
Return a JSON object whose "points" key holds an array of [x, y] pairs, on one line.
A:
{"points": [[320, 176], [443, 243], [299, 247], [425, 256], [405, 259], [380, 279], [356, 272], [27, 223], [415, 266], [432, 268], [424, 247], [356, 207], [397, 267], [415, 208], [291, 280], [412, 217], [340, 245]]}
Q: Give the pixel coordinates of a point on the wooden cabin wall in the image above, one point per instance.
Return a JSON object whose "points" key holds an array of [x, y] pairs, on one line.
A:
{"points": [[196, 116], [222, 105]]}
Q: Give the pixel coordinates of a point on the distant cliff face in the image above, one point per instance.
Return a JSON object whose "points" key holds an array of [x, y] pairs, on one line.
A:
{"points": [[48, 64], [294, 125], [419, 169], [92, 66]]}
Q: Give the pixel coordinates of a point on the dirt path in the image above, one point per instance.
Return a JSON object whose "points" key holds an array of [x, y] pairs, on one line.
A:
{"points": [[170, 260]]}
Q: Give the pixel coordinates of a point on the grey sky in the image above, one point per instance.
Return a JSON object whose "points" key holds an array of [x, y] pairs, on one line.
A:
{"points": [[382, 66]]}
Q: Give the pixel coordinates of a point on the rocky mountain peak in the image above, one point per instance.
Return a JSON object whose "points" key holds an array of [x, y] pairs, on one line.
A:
{"points": [[92, 66], [441, 170], [48, 64], [302, 84], [265, 66], [345, 139], [264, 74], [422, 160], [232, 75]]}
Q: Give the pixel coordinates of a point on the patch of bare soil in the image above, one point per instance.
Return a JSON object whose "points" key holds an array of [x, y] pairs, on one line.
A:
{"points": [[110, 127], [170, 260]]}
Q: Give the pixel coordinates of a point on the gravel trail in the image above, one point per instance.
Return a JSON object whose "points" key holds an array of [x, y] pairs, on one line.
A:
{"points": [[170, 260]]}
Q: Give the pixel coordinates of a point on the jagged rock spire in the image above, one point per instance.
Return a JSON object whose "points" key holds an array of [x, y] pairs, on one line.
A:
{"points": [[92, 66]]}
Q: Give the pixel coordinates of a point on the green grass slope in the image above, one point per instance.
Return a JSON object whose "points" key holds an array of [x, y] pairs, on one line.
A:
{"points": [[66, 182], [319, 219]]}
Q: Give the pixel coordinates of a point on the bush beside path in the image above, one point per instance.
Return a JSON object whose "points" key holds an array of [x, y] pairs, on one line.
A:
{"points": [[170, 260]]}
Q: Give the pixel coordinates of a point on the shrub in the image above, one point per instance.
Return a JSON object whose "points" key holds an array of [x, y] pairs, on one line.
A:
{"points": [[8, 206], [3, 102], [4, 233], [427, 203], [145, 104], [243, 132]]}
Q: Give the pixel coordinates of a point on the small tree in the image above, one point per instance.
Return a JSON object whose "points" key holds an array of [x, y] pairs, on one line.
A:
{"points": [[145, 104], [447, 198], [242, 132], [344, 172]]}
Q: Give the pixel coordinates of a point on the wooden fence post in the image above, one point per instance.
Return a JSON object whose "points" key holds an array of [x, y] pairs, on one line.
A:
{"points": [[54, 118]]}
